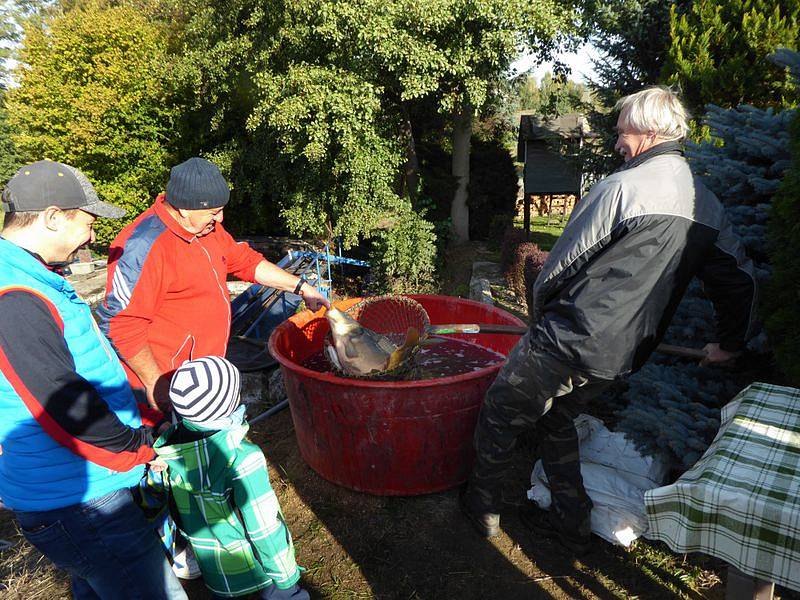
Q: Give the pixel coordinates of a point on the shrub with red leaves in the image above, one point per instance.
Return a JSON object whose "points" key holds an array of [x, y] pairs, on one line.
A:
{"points": [[512, 238], [523, 271]]}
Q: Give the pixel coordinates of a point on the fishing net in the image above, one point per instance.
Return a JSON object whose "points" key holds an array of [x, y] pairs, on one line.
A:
{"points": [[391, 316]]}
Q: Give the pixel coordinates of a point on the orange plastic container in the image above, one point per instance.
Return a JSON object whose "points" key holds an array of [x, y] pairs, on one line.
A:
{"points": [[392, 438]]}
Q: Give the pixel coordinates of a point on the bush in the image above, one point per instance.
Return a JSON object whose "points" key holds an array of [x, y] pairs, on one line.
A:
{"points": [[523, 271], [781, 305], [512, 238], [403, 255]]}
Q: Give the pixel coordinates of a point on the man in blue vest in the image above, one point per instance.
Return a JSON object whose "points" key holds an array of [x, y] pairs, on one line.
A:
{"points": [[72, 442]]}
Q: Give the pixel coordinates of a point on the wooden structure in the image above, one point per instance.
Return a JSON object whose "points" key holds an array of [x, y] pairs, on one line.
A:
{"points": [[548, 176]]}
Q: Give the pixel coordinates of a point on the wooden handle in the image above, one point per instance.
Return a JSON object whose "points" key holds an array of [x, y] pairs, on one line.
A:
{"points": [[681, 351], [475, 328]]}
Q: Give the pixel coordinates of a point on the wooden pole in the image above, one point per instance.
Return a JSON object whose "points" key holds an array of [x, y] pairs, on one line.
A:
{"points": [[526, 216]]}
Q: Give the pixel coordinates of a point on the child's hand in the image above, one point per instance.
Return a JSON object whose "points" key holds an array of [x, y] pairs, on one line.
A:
{"points": [[157, 465]]}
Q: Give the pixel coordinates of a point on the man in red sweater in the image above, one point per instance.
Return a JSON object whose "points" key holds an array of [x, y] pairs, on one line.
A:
{"points": [[166, 297]]}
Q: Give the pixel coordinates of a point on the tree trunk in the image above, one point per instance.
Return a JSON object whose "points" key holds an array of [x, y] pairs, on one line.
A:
{"points": [[459, 211], [412, 162]]}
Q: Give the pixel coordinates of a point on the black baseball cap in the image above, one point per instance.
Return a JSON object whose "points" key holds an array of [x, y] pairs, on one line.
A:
{"points": [[46, 183]]}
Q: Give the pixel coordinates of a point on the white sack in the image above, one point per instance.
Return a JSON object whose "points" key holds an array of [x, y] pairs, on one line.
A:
{"points": [[615, 476]]}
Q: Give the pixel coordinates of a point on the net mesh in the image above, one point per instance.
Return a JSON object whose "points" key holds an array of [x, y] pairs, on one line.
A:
{"points": [[390, 314]]}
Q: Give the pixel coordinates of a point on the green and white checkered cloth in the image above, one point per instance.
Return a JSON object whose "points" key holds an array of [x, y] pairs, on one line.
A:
{"points": [[741, 501]]}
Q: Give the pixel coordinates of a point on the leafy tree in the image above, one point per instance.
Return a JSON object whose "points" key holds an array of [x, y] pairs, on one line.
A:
{"points": [[782, 299], [632, 39], [492, 188], [92, 94], [719, 51], [9, 157], [13, 15], [341, 123], [341, 162], [553, 95]]}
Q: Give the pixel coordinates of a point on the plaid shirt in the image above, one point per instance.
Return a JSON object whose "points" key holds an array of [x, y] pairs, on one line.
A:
{"points": [[741, 501], [228, 510]]}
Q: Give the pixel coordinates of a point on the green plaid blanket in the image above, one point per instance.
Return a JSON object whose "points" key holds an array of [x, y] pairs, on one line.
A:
{"points": [[741, 501], [228, 511]]}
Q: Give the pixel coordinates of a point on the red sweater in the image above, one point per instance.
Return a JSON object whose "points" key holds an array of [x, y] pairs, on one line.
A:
{"points": [[166, 288]]}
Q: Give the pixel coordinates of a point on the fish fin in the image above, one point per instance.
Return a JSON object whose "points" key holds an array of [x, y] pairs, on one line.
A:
{"points": [[412, 338], [395, 360], [397, 357], [333, 357]]}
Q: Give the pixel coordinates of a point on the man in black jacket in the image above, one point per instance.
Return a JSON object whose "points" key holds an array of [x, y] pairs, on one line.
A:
{"points": [[601, 305]]}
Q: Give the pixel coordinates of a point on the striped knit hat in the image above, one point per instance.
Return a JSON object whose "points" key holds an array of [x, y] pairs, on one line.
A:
{"points": [[205, 389]]}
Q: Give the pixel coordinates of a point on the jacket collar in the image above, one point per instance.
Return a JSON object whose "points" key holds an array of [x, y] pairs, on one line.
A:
{"points": [[32, 264], [662, 148], [168, 220]]}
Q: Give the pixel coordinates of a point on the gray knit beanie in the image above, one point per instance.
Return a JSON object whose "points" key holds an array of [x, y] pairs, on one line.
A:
{"points": [[205, 389], [196, 184]]}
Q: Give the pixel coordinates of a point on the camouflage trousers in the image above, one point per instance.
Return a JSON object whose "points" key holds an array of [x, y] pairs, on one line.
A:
{"points": [[534, 389]]}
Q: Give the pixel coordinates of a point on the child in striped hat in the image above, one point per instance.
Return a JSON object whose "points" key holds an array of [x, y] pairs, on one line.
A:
{"points": [[220, 493]]}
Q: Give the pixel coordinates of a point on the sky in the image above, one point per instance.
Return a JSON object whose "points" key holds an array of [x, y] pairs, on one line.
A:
{"points": [[580, 62]]}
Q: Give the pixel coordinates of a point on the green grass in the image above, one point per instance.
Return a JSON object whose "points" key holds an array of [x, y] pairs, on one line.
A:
{"points": [[543, 235]]}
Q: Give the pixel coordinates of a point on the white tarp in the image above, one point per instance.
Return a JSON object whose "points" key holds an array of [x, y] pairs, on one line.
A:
{"points": [[615, 476]]}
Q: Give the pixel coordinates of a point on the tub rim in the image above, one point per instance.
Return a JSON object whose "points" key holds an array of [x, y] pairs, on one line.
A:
{"points": [[308, 316]]}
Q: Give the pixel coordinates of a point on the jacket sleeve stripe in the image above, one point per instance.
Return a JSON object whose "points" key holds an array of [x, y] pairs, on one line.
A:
{"points": [[120, 289], [127, 269]]}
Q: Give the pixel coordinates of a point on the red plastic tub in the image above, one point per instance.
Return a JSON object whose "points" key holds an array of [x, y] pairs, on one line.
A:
{"points": [[393, 438]]}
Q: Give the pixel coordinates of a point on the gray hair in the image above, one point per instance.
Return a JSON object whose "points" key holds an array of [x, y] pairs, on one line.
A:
{"points": [[657, 109]]}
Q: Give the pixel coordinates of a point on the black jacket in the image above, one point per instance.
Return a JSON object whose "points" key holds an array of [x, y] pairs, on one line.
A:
{"points": [[616, 275]]}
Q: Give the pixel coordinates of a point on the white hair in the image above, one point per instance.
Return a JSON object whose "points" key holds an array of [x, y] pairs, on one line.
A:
{"points": [[657, 109]]}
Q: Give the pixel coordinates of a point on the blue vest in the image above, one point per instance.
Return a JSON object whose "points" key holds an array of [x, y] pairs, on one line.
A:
{"points": [[37, 473]]}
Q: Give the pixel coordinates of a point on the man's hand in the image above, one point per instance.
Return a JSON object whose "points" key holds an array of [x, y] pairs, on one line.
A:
{"points": [[313, 299], [716, 355]]}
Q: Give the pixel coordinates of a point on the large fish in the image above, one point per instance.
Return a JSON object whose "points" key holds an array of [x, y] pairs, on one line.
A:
{"points": [[360, 351]]}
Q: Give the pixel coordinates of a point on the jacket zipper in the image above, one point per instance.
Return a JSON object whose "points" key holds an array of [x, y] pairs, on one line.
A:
{"points": [[224, 292]]}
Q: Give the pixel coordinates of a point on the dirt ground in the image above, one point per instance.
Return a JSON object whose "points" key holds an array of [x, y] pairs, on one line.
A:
{"points": [[354, 545]]}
